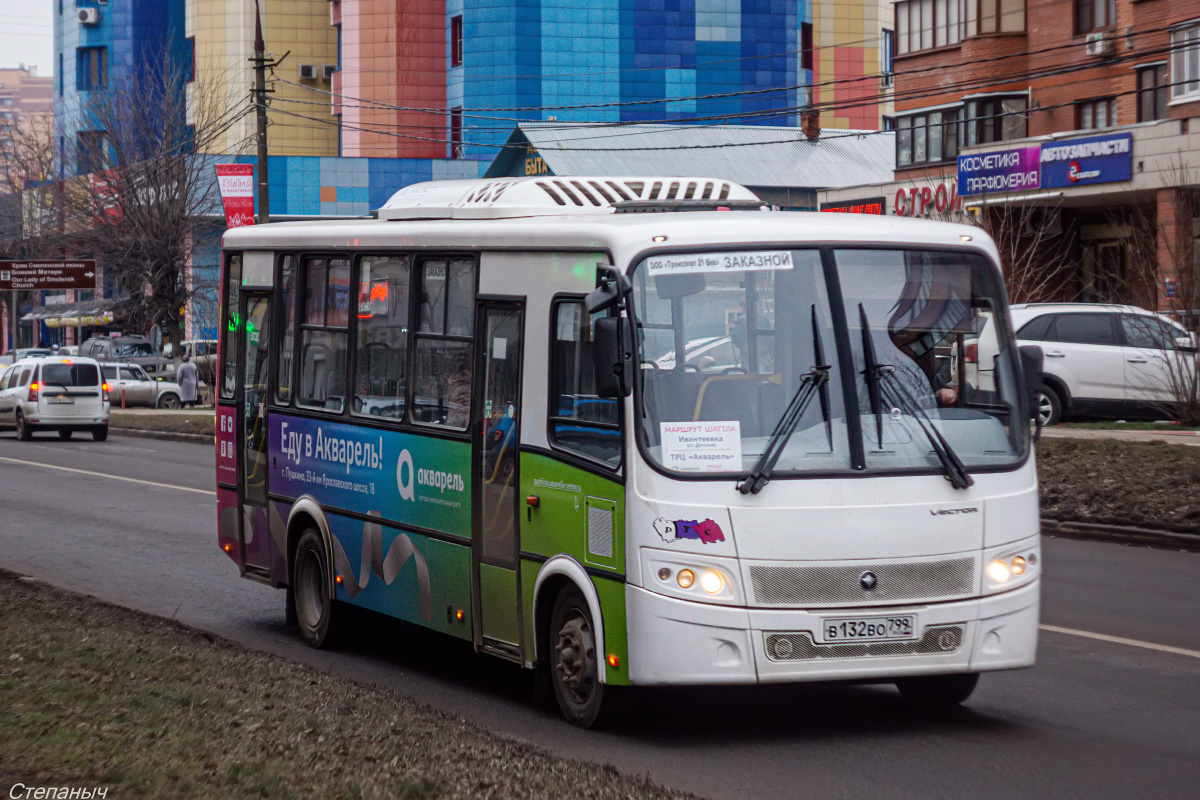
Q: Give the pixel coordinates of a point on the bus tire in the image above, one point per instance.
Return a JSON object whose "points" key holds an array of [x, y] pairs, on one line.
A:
{"points": [[938, 691], [318, 615], [574, 660]]}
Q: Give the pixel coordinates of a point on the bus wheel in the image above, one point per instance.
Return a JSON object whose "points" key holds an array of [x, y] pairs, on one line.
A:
{"points": [[938, 691], [317, 614], [574, 668]]}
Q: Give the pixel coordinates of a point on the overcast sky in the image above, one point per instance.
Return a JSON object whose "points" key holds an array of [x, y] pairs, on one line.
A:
{"points": [[27, 34]]}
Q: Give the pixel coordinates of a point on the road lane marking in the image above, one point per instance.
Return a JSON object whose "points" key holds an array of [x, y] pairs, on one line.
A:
{"points": [[1104, 637], [24, 463]]}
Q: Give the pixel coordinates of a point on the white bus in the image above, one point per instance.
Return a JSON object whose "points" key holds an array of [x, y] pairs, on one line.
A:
{"points": [[471, 413]]}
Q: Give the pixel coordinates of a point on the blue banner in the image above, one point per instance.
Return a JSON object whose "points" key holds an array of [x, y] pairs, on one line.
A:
{"points": [[406, 478], [1003, 171], [1090, 159]]}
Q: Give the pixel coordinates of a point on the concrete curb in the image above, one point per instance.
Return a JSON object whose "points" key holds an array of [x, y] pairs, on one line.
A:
{"points": [[194, 438], [1171, 540]]}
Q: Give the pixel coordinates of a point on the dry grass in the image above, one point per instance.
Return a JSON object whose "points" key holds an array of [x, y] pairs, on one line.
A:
{"points": [[95, 695]]}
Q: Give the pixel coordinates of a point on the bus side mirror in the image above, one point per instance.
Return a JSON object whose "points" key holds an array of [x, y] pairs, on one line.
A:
{"points": [[1031, 374], [610, 361]]}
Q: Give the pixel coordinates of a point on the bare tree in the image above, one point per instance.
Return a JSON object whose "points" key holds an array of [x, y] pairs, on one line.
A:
{"points": [[149, 196], [1163, 273]]}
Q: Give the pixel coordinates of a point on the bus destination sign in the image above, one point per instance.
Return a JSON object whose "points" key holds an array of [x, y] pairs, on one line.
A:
{"points": [[41, 275]]}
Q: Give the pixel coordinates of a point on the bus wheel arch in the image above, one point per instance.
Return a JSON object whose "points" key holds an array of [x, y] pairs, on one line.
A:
{"points": [[305, 513], [556, 575]]}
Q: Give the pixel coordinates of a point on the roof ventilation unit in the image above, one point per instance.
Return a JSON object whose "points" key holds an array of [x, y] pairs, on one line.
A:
{"points": [[308, 72], [88, 16]]}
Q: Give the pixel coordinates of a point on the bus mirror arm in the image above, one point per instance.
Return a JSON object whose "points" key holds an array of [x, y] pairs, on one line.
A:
{"points": [[611, 289]]}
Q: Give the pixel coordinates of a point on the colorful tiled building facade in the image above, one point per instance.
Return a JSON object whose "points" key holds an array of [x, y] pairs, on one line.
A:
{"points": [[852, 63], [453, 76]]}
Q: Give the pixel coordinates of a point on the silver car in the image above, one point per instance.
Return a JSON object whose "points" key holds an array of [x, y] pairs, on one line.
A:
{"points": [[129, 385]]}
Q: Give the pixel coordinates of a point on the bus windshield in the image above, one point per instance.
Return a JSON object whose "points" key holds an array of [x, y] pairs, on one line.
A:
{"points": [[728, 340]]}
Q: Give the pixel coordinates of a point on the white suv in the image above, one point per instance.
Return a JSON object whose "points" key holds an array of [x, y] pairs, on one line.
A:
{"points": [[1101, 360], [63, 394]]}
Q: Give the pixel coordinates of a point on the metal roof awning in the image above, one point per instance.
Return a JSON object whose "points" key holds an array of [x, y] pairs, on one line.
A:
{"points": [[84, 313]]}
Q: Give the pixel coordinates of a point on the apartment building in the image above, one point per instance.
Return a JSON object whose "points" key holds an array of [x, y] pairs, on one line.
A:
{"points": [[1076, 118]]}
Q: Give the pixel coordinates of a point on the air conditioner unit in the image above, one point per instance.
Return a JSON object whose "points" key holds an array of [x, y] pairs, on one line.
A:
{"points": [[327, 71], [88, 16], [1099, 45], [308, 72]]}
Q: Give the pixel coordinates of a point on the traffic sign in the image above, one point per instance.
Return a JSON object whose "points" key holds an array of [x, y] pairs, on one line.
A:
{"points": [[44, 275]]}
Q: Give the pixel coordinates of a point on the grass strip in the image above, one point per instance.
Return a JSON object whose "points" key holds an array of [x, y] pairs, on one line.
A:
{"points": [[96, 695], [1142, 484]]}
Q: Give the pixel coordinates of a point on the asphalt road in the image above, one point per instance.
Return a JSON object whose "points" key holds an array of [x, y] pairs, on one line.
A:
{"points": [[1096, 718]]}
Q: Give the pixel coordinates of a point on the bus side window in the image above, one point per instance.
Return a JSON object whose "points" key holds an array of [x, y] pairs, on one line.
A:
{"points": [[323, 334], [381, 368], [579, 420], [442, 362], [287, 316]]}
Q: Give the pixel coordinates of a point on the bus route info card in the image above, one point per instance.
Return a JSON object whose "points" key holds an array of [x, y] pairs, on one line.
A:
{"points": [[702, 446]]}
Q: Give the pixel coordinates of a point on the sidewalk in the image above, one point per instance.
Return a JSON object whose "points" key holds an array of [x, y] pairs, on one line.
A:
{"points": [[1172, 437]]}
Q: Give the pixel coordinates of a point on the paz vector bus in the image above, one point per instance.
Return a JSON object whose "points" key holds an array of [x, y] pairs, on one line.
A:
{"points": [[636, 432]]}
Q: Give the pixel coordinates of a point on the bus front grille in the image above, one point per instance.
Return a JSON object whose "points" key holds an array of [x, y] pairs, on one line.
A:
{"points": [[938, 639], [807, 586]]}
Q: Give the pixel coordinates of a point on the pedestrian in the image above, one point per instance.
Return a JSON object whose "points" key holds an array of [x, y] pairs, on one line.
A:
{"points": [[188, 378]]}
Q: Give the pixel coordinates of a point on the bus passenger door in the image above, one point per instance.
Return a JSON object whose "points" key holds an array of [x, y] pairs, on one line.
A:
{"points": [[254, 369], [496, 434]]}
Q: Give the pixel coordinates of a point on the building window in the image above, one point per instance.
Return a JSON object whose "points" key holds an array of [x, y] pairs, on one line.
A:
{"points": [[61, 79], [887, 51], [927, 138], [925, 24], [806, 45], [1185, 62], [90, 155], [1092, 15], [456, 133], [456, 41], [1152, 92], [995, 119], [91, 69], [889, 123], [1100, 113], [191, 59], [998, 16]]}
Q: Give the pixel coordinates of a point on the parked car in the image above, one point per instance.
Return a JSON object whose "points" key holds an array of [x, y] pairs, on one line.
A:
{"points": [[55, 393], [129, 384], [68, 350], [1100, 360], [130, 350]]}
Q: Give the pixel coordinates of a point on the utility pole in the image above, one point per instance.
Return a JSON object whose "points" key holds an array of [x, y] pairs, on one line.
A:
{"points": [[259, 95]]}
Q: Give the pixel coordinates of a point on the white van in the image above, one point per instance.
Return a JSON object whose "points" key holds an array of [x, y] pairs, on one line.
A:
{"points": [[55, 393]]}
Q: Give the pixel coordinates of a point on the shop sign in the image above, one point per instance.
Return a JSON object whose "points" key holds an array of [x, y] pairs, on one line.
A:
{"points": [[535, 164], [921, 201], [1002, 171], [236, 182], [869, 205], [1092, 159]]}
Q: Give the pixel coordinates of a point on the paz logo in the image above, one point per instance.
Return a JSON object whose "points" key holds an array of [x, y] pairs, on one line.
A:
{"points": [[405, 486]]}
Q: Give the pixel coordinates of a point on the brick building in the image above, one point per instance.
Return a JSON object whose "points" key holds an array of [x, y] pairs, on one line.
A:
{"points": [[1077, 117]]}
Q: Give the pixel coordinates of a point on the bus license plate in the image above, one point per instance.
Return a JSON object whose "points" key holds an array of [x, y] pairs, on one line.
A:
{"points": [[868, 629], [53, 400]]}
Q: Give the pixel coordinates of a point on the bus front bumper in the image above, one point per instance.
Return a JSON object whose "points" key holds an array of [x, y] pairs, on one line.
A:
{"points": [[679, 642]]}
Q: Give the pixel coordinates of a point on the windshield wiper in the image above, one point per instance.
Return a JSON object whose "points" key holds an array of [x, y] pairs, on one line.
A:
{"points": [[808, 388], [873, 371], [899, 396]]}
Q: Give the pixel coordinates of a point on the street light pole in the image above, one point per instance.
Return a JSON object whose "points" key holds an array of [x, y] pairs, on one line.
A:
{"points": [[259, 94]]}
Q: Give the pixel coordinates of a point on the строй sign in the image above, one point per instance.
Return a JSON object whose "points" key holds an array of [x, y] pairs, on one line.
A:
{"points": [[47, 275]]}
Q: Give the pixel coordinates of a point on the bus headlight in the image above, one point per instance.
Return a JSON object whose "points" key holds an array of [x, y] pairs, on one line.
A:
{"points": [[712, 582], [703, 579], [1010, 568]]}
